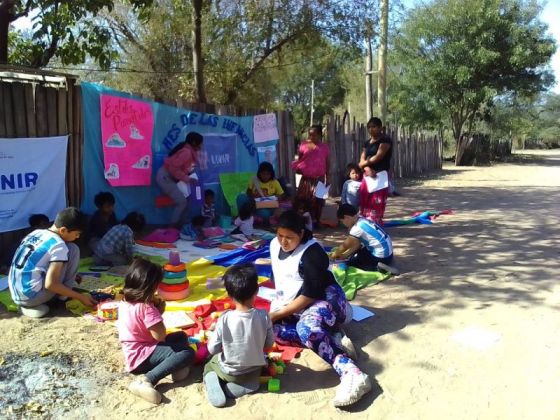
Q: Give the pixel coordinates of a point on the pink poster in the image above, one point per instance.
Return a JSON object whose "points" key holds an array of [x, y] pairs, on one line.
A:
{"points": [[126, 132]]}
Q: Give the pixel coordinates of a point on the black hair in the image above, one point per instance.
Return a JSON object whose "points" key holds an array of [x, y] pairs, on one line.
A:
{"points": [[141, 281], [346, 210], [104, 197], [353, 167], [72, 219], [134, 221], [209, 193], [197, 221], [193, 138], [37, 220], [318, 128], [301, 203], [266, 167], [374, 121], [241, 282], [246, 210], [291, 220]]}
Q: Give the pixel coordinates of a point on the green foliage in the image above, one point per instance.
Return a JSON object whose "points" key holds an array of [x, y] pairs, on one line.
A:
{"points": [[458, 55], [67, 30]]}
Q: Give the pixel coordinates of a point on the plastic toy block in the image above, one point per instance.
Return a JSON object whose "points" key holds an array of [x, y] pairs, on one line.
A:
{"points": [[193, 346], [227, 306], [279, 370], [275, 355], [280, 363], [272, 370], [264, 379], [274, 385]]}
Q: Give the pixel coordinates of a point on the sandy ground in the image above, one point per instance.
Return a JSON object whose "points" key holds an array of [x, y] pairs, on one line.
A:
{"points": [[470, 330]]}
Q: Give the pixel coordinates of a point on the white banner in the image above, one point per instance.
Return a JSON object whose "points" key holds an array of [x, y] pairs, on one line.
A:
{"points": [[32, 179]]}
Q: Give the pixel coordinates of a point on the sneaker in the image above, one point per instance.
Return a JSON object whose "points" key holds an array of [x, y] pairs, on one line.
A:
{"points": [[35, 311], [345, 344], [145, 390], [353, 386], [388, 269], [181, 374]]}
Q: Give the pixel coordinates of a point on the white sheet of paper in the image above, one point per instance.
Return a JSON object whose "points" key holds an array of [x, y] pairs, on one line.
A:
{"points": [[359, 313], [322, 190], [267, 293], [3, 283], [298, 179], [380, 181]]}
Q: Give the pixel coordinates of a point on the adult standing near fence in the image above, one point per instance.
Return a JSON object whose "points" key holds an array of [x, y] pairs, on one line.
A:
{"points": [[178, 166], [376, 157], [313, 164]]}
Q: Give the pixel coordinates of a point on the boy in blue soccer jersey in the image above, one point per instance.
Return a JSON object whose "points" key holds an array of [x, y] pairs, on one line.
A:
{"points": [[46, 263], [367, 247]]}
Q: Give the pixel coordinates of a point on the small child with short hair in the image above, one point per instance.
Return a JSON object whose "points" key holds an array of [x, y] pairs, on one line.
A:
{"points": [[103, 219], [302, 206], [46, 264], [147, 349], [245, 221], [117, 245], [238, 341], [209, 209], [367, 247], [350, 189]]}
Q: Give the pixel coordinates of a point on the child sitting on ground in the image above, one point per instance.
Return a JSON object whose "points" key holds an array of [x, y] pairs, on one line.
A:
{"points": [[46, 264], [103, 219], [209, 209], [368, 247], [238, 341], [350, 189], [146, 347], [117, 245], [301, 206], [245, 221]]}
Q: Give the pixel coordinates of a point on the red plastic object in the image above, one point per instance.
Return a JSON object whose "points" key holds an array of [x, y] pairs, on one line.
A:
{"points": [[174, 287], [164, 201]]}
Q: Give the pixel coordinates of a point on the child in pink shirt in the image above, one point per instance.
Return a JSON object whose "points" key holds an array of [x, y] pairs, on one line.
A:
{"points": [[146, 347]]}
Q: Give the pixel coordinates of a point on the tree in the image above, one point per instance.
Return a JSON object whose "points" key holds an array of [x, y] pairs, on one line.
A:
{"points": [[64, 29], [458, 55]]}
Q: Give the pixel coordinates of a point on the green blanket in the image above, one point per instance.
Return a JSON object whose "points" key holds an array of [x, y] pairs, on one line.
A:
{"points": [[352, 279]]}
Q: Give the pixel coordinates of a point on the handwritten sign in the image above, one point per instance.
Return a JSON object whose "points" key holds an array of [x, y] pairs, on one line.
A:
{"points": [[126, 133], [264, 128]]}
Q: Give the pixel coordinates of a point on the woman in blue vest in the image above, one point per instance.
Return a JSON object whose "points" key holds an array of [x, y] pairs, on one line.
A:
{"points": [[310, 306]]}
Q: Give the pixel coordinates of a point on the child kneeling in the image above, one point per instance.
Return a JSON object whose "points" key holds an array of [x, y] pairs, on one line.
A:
{"points": [[146, 347], [238, 341]]}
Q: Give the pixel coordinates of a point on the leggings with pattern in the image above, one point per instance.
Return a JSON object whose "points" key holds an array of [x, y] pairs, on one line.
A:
{"points": [[313, 328]]}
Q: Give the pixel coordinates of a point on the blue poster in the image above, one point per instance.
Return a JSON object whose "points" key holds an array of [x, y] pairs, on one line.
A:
{"points": [[230, 148]]}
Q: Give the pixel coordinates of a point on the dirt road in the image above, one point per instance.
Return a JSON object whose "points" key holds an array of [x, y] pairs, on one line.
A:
{"points": [[470, 330]]}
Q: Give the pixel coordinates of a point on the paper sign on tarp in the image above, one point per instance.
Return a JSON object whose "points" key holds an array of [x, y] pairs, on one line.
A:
{"points": [[32, 179], [126, 133], [268, 154], [264, 128]]}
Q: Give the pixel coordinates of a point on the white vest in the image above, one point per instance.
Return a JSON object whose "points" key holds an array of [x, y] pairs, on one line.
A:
{"points": [[287, 280]]}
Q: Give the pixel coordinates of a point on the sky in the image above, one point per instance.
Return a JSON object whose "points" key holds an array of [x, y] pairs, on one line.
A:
{"points": [[550, 15]]}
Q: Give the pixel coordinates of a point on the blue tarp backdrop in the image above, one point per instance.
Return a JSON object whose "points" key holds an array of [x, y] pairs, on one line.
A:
{"points": [[228, 147]]}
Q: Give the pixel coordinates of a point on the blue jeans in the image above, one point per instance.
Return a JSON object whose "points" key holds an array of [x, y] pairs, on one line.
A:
{"points": [[169, 356], [244, 198]]}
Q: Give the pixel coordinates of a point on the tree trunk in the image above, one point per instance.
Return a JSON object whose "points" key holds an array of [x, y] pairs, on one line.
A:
{"points": [[5, 19], [198, 62], [382, 63], [369, 84]]}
